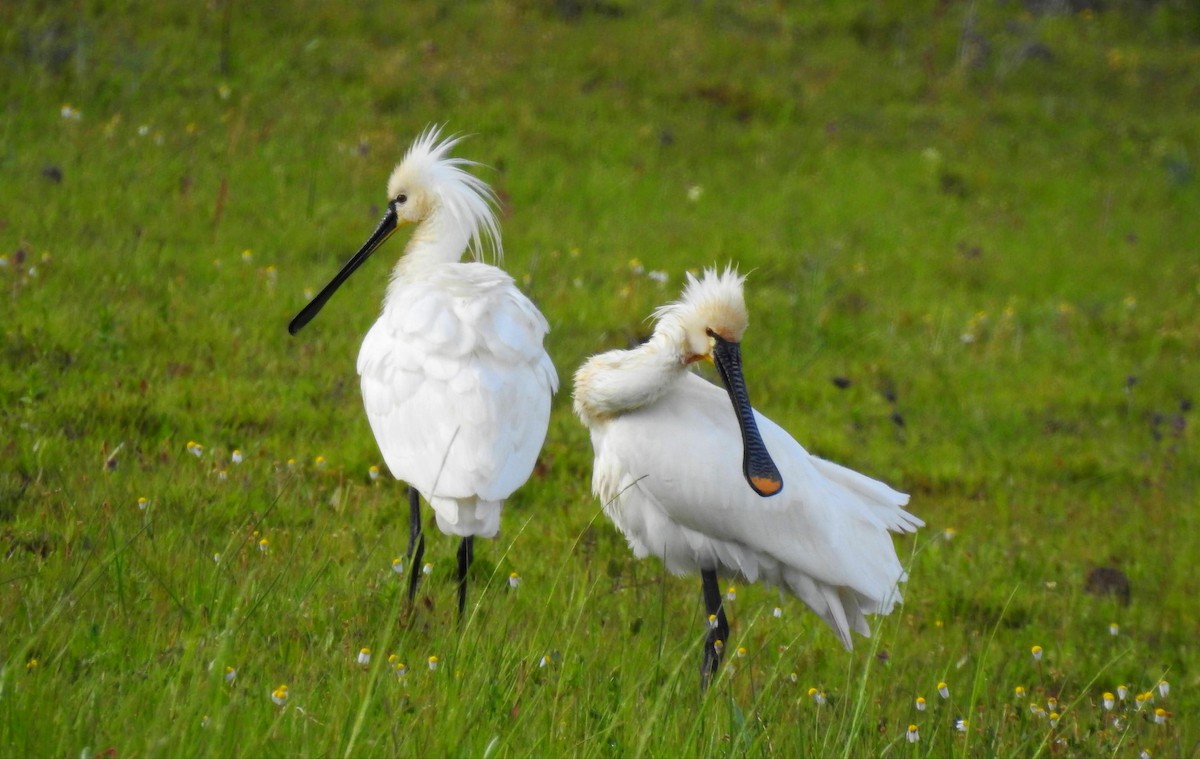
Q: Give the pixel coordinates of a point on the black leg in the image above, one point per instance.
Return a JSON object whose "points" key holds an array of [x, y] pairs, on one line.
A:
{"points": [[718, 627], [466, 554], [416, 542]]}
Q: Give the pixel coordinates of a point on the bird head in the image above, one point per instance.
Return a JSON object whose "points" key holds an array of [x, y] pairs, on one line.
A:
{"points": [[708, 323], [428, 188], [431, 184], [712, 308]]}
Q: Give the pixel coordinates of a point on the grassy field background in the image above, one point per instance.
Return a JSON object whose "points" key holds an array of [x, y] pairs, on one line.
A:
{"points": [[980, 219]]}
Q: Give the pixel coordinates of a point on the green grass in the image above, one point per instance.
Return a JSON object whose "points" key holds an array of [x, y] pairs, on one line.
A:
{"points": [[984, 218]]}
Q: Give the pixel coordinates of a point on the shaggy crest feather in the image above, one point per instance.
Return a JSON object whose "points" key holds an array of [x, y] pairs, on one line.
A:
{"points": [[467, 199], [715, 297]]}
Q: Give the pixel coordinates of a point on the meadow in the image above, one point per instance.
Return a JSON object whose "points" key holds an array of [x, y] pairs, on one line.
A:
{"points": [[971, 236]]}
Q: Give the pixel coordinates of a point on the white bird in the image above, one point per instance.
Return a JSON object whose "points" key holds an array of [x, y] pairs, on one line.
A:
{"points": [[455, 379], [672, 465]]}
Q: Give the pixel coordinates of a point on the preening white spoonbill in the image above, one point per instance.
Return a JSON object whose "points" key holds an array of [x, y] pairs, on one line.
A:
{"points": [[718, 491], [455, 380]]}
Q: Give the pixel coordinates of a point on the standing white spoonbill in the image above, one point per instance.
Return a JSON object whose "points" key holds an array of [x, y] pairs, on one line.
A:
{"points": [[455, 380], [696, 484]]}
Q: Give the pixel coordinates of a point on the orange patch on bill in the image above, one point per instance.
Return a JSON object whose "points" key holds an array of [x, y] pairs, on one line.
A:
{"points": [[766, 486]]}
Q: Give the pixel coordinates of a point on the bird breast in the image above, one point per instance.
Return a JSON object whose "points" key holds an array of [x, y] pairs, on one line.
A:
{"points": [[456, 382]]}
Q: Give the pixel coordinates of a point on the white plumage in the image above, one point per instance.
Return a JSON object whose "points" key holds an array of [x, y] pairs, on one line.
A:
{"points": [[669, 471], [457, 388], [455, 379]]}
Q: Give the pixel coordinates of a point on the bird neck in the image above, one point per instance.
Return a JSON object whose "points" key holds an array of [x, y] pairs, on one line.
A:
{"points": [[436, 240], [620, 381]]}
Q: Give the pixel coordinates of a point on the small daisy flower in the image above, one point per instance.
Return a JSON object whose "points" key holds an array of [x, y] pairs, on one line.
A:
{"points": [[319, 462], [264, 545], [1145, 754], [1019, 691], [433, 663], [230, 674], [658, 276], [718, 646], [793, 678], [912, 735], [364, 657], [514, 580], [961, 725], [223, 91], [712, 621], [280, 695], [920, 703], [205, 721], [1160, 716], [291, 463], [143, 502], [635, 265], [70, 113], [1054, 717], [741, 652], [31, 665], [236, 457], [949, 533], [1109, 701], [777, 613], [1122, 691], [398, 565], [1164, 688], [247, 255], [397, 665], [1037, 653], [694, 192], [1037, 710], [1114, 629], [943, 690], [1052, 704], [216, 558], [817, 696], [1140, 700], [373, 473], [195, 448], [427, 569], [731, 593], [542, 662]]}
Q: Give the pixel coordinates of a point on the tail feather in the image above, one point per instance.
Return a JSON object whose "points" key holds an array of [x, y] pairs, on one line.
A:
{"points": [[467, 516]]}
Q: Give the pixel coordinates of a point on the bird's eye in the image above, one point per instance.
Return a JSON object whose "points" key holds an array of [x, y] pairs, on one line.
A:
{"points": [[401, 199], [708, 331]]}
